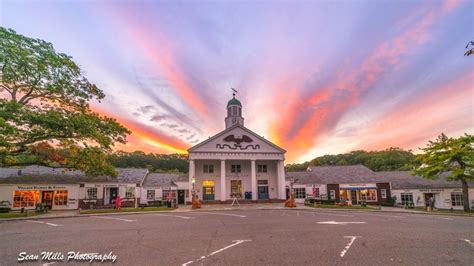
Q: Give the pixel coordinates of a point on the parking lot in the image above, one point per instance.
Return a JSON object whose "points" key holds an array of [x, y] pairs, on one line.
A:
{"points": [[248, 237]]}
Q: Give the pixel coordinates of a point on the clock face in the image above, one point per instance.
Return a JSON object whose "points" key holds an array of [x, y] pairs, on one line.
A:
{"points": [[234, 120]]}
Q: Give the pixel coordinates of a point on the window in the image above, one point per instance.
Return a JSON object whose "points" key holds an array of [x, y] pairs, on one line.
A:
{"points": [[368, 195], [407, 198], [208, 168], [60, 197], [130, 193], [332, 194], [228, 111], [150, 194], [236, 188], [262, 168], [315, 192], [300, 193], [25, 198], [456, 199], [235, 168], [91, 193], [383, 193], [165, 194]]}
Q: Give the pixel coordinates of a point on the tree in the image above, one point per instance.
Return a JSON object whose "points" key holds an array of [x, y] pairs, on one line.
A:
{"points": [[451, 156], [44, 109], [471, 50]]}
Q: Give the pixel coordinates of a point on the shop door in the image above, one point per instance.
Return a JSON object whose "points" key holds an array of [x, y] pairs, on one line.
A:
{"points": [[262, 192], [429, 199], [113, 194], [354, 197], [47, 199], [180, 196], [208, 193]]}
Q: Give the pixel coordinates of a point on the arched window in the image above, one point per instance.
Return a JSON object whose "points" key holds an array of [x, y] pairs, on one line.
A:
{"points": [[240, 111], [228, 111], [234, 110]]}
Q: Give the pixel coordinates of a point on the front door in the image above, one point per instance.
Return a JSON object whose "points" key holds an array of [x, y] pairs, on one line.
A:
{"points": [[208, 193], [262, 192], [429, 199], [47, 199], [180, 196], [113, 194], [354, 197]]}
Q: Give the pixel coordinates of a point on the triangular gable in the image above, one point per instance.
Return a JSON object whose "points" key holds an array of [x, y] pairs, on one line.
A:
{"points": [[237, 139]]}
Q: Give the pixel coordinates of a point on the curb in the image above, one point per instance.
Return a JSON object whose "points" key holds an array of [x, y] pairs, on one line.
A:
{"points": [[208, 210]]}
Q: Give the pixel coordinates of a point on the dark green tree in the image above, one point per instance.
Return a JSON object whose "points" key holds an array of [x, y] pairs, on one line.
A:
{"points": [[454, 156], [44, 109]]}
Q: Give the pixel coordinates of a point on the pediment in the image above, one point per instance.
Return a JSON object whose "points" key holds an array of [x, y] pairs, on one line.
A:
{"points": [[237, 139]]}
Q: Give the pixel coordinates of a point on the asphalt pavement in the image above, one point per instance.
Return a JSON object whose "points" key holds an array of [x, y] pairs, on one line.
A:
{"points": [[244, 237]]}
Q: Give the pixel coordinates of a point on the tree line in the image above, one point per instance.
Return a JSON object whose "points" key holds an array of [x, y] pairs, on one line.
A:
{"points": [[393, 159]]}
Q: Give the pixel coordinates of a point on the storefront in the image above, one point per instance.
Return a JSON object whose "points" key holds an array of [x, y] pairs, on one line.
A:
{"points": [[53, 197], [352, 184], [98, 195], [356, 193]]}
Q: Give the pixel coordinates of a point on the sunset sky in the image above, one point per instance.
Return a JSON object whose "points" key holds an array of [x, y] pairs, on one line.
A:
{"points": [[315, 77]]}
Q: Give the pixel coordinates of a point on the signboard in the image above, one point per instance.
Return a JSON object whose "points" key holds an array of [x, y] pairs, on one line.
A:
{"points": [[349, 186], [208, 183], [40, 187], [432, 190]]}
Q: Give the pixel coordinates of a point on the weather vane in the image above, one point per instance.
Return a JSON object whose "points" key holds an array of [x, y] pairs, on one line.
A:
{"points": [[234, 91]]}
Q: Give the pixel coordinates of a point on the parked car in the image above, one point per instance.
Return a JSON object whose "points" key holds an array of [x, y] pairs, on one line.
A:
{"points": [[5, 206]]}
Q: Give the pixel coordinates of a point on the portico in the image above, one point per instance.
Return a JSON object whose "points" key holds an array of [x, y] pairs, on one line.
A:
{"points": [[237, 163]]}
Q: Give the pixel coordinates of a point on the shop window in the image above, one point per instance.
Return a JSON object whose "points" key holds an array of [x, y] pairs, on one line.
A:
{"points": [[407, 198], [150, 194], [60, 197], [315, 192], [261, 168], [91, 193], [300, 193], [456, 199], [25, 198], [208, 168], [165, 194], [235, 168], [368, 195], [130, 193], [383, 193], [236, 188]]}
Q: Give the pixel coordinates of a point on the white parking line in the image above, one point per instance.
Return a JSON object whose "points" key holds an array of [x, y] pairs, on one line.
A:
{"points": [[176, 216], [114, 218], [325, 213], [467, 241], [344, 251], [226, 214], [39, 222], [236, 242], [340, 223]]}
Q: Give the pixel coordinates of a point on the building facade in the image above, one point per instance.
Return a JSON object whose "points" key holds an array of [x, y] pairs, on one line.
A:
{"points": [[419, 192], [236, 163], [352, 183]]}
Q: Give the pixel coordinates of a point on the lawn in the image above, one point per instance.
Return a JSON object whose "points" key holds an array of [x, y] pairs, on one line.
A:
{"points": [[328, 206], [5, 215], [146, 209]]}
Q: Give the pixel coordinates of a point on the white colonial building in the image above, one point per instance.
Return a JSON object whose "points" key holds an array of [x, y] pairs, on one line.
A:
{"points": [[237, 163]]}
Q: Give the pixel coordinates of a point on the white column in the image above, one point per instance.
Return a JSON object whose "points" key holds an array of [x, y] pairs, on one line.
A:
{"points": [[191, 175], [253, 176], [223, 192], [281, 179]]}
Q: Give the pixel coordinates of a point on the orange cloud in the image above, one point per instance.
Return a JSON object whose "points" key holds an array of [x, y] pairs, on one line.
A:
{"points": [[145, 139]]}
